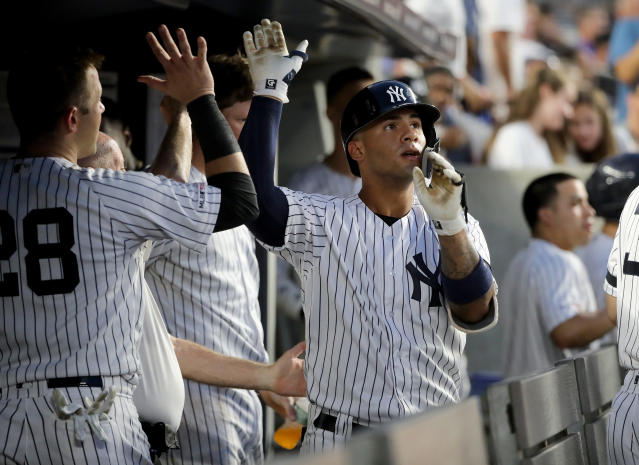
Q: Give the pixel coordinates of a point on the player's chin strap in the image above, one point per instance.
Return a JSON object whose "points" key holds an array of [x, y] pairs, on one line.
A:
{"points": [[90, 414]]}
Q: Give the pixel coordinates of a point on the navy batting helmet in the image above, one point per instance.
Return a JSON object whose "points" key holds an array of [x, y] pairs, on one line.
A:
{"points": [[611, 183], [375, 101]]}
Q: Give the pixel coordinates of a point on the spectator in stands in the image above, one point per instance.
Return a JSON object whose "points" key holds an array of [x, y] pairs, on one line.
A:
{"points": [[463, 135], [528, 140], [624, 51], [548, 307], [589, 130], [627, 132], [593, 23]]}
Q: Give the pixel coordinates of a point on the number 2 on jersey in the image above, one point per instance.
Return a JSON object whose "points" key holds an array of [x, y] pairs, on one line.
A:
{"points": [[37, 251]]}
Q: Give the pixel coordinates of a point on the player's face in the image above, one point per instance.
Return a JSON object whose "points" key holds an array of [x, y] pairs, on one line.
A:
{"points": [[586, 127], [393, 146], [236, 116], [90, 115], [571, 215]]}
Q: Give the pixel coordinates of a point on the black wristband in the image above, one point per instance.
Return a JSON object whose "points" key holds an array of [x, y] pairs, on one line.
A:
{"points": [[211, 128]]}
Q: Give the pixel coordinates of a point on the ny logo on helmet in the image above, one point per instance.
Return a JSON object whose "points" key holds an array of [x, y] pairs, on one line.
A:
{"points": [[396, 93]]}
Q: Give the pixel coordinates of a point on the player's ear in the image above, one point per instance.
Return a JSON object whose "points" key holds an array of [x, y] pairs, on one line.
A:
{"points": [[544, 215], [70, 119], [356, 149]]}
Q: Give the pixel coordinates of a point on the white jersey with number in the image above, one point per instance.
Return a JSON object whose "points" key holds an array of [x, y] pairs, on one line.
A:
{"points": [[622, 282], [71, 266], [211, 298], [380, 344]]}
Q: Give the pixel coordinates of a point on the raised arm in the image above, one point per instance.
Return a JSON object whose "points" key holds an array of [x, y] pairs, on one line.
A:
{"points": [[272, 69], [466, 278], [173, 159], [189, 81]]}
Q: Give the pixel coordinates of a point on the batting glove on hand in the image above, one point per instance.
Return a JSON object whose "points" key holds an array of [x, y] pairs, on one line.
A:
{"points": [[442, 196], [271, 66]]}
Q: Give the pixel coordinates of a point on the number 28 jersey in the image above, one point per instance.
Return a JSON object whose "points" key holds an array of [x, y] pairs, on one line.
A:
{"points": [[71, 264], [622, 282]]}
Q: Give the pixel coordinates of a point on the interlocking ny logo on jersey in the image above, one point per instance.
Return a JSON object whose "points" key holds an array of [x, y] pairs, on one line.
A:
{"points": [[421, 274], [396, 93]]}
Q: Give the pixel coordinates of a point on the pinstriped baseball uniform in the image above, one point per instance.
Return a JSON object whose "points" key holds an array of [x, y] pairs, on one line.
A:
{"points": [[622, 282], [379, 341], [211, 298], [544, 286], [72, 269]]}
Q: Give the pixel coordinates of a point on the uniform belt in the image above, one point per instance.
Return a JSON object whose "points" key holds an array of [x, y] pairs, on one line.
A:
{"points": [[73, 381], [327, 422]]}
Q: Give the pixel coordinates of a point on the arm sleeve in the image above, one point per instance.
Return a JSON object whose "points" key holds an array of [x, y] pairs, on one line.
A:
{"points": [[478, 240], [238, 204], [143, 206], [622, 40], [258, 141]]}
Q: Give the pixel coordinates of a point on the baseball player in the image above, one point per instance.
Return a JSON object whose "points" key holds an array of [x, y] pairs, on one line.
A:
{"points": [[548, 305], [211, 299], [391, 277], [71, 254], [608, 188], [159, 395], [620, 285]]}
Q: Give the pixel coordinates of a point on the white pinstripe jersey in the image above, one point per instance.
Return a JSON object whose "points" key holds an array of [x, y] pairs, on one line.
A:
{"points": [[211, 298], [379, 341], [622, 282], [544, 286], [71, 263]]}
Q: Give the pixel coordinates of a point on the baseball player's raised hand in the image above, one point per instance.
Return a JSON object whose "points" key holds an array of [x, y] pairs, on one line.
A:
{"points": [[187, 76], [272, 67], [442, 196], [288, 373]]}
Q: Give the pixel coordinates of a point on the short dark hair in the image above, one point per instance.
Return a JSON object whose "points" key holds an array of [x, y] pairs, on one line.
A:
{"points": [[42, 85], [438, 69], [344, 77], [233, 82], [540, 193]]}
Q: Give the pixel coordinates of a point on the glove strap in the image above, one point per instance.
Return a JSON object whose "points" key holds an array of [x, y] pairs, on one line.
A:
{"points": [[449, 227]]}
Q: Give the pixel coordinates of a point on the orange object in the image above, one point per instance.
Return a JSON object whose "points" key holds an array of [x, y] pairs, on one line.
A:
{"points": [[288, 435]]}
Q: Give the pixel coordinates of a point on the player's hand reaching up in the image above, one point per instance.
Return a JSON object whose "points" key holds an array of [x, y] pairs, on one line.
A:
{"points": [[272, 67], [187, 76], [442, 197]]}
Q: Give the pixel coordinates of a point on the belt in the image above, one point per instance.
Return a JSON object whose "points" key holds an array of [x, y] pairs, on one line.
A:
{"points": [[326, 421], [73, 381]]}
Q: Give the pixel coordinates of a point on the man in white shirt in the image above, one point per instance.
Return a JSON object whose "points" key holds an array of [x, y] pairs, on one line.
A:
{"points": [[548, 305]]}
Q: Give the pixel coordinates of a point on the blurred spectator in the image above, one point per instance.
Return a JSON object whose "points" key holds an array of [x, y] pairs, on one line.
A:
{"points": [[548, 307], [627, 132], [501, 24], [624, 51], [463, 135], [593, 23], [590, 133], [529, 140], [115, 125]]}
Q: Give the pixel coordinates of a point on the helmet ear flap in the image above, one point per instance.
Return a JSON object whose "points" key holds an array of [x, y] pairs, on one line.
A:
{"points": [[431, 136]]}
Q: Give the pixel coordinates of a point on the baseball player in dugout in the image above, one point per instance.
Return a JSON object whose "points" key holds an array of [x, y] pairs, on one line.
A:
{"points": [[394, 276], [548, 305], [162, 367], [72, 265]]}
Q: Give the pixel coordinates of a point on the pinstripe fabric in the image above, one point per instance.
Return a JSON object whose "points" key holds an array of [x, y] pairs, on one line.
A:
{"points": [[211, 298], [30, 431], [543, 287], [379, 342], [66, 221], [622, 282]]}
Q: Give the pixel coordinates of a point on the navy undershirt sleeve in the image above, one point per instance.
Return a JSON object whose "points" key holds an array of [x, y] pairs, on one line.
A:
{"points": [[258, 142]]}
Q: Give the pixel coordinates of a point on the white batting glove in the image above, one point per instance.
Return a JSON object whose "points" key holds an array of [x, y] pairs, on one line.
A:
{"points": [[271, 66], [441, 197]]}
